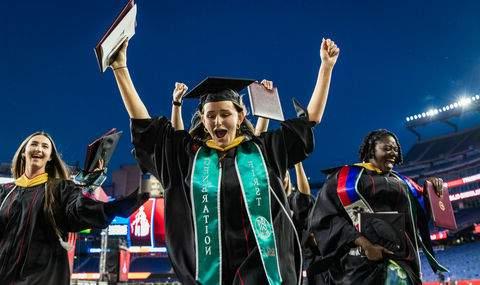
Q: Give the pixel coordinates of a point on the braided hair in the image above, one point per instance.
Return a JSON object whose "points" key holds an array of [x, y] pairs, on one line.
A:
{"points": [[367, 148]]}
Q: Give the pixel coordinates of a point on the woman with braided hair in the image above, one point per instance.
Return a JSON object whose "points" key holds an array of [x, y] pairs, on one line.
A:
{"points": [[369, 222]]}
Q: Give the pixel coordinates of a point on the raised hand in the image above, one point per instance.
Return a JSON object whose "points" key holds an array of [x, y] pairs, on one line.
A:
{"points": [[120, 58], [100, 165], [267, 84], [179, 91], [329, 52]]}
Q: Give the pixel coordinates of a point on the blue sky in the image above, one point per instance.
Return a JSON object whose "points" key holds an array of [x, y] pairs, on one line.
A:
{"points": [[398, 58]]}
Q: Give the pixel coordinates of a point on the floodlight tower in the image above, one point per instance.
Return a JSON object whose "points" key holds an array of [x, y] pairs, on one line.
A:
{"points": [[443, 114]]}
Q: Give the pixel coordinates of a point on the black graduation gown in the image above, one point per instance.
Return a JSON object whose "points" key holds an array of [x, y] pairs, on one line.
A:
{"points": [[169, 154], [30, 252], [335, 234], [300, 204]]}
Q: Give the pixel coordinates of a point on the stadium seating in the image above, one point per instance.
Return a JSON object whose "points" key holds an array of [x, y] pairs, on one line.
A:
{"points": [[463, 261], [445, 146]]}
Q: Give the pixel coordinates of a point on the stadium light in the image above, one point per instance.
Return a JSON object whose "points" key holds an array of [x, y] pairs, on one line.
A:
{"points": [[464, 102]]}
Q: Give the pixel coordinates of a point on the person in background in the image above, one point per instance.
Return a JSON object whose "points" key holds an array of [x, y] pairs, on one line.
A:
{"points": [[385, 248]]}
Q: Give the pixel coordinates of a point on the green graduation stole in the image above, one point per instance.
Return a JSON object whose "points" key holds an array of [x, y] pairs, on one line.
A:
{"points": [[205, 194]]}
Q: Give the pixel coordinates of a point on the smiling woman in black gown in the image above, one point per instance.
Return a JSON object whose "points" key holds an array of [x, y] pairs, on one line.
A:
{"points": [[355, 257], [40, 208]]}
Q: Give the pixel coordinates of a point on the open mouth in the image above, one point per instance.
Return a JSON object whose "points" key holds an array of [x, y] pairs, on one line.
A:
{"points": [[37, 156], [390, 162], [220, 133]]}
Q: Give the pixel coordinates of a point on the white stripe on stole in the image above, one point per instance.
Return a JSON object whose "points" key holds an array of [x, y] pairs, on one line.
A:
{"points": [[194, 216], [219, 221]]}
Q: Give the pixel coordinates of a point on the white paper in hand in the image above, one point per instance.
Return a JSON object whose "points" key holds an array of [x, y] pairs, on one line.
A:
{"points": [[122, 29]]}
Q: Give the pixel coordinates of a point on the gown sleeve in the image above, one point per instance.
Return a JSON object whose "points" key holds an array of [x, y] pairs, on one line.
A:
{"points": [[79, 212], [4, 190], [330, 224], [289, 144], [160, 149], [300, 204], [3, 193]]}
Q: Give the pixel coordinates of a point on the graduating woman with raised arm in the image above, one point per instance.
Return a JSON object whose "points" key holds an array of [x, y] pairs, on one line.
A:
{"points": [[299, 198], [40, 208], [225, 206]]}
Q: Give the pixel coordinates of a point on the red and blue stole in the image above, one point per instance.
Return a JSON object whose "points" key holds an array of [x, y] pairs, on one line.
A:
{"points": [[354, 203], [347, 182]]}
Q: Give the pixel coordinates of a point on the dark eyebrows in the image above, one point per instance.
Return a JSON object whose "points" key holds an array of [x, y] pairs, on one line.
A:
{"points": [[220, 111], [37, 142], [389, 145]]}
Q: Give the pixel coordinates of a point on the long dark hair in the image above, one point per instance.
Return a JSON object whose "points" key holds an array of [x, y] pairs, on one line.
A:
{"points": [[56, 168], [367, 148]]}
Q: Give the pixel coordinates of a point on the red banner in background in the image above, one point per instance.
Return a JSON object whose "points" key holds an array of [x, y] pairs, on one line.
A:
{"points": [[159, 223], [147, 224], [124, 264], [72, 240], [141, 225], [476, 228]]}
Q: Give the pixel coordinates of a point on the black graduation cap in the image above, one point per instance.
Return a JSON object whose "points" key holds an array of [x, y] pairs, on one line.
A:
{"points": [[214, 89]]}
